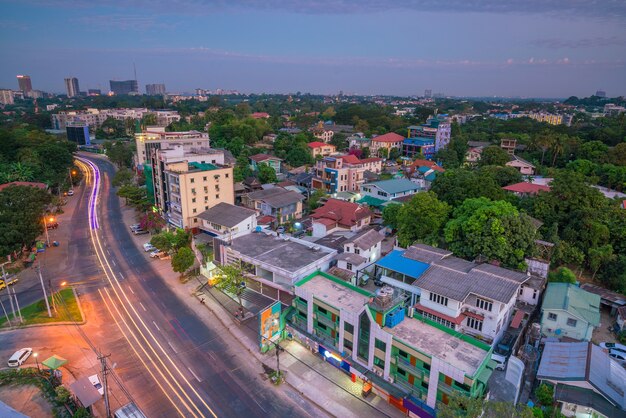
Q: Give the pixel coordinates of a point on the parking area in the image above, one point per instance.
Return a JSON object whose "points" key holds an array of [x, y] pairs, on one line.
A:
{"points": [[603, 333]]}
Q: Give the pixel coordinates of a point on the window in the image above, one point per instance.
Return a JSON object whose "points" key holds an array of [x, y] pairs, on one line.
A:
{"points": [[347, 344], [438, 299], [379, 362], [322, 310], [193, 190], [195, 210], [571, 322], [438, 320], [401, 372], [356, 250], [217, 196], [349, 266], [322, 326], [192, 180], [535, 294], [226, 175], [204, 178], [206, 189], [484, 304], [348, 328], [551, 316], [402, 353], [475, 324], [381, 345], [193, 200]]}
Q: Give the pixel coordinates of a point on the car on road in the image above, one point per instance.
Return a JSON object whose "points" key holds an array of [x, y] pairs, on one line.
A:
{"points": [[614, 347], [70, 192], [20, 356], [52, 225], [8, 282], [95, 381], [135, 226], [140, 231], [147, 247], [155, 253]]}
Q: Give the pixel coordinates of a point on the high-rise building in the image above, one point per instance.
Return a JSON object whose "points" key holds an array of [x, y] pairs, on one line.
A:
{"points": [[428, 93], [124, 87], [24, 83], [71, 85], [6, 96], [155, 89], [601, 93]]}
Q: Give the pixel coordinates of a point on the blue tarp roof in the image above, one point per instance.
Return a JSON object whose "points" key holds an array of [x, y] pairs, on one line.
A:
{"points": [[396, 262]]}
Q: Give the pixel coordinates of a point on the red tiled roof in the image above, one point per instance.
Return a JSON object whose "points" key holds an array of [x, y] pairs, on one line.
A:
{"points": [[371, 160], [517, 319], [316, 144], [260, 115], [263, 157], [41, 186], [350, 159], [267, 219], [342, 212], [425, 163], [389, 137], [529, 188]]}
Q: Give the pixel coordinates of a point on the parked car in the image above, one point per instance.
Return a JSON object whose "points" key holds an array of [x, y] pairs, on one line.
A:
{"points": [[95, 381], [19, 357], [619, 356], [140, 231], [500, 360], [147, 247], [70, 192], [8, 282], [135, 226], [614, 347], [155, 253]]}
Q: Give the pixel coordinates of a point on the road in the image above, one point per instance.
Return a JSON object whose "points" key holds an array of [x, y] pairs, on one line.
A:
{"points": [[171, 362]]}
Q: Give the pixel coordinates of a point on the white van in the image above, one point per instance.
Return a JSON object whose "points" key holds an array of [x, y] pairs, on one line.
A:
{"points": [[19, 357], [500, 361]]}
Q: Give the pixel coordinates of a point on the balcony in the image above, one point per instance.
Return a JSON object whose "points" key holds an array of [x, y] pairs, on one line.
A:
{"points": [[326, 340], [299, 322], [302, 305], [326, 321], [406, 365], [406, 386]]}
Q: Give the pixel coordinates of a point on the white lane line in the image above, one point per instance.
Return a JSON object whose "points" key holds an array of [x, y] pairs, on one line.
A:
{"points": [[144, 308], [211, 355], [194, 375], [113, 261], [131, 290], [157, 327], [121, 277], [172, 347], [108, 252]]}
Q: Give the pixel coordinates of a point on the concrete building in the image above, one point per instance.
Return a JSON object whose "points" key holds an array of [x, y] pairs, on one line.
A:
{"points": [[546, 117], [568, 311], [388, 190], [521, 165], [124, 87], [414, 364], [339, 215], [6, 96], [78, 132], [155, 89], [154, 138], [321, 149], [359, 252], [226, 221], [270, 160], [281, 204], [24, 84], [425, 140], [386, 142], [322, 132], [343, 173], [71, 86]]}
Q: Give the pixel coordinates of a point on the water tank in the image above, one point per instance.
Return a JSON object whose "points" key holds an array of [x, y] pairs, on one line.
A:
{"points": [[385, 294]]}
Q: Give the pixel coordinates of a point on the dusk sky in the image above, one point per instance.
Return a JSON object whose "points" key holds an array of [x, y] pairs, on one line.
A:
{"points": [[528, 48]]}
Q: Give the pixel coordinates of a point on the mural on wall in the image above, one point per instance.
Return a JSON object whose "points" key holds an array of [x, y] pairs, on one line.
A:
{"points": [[269, 326]]}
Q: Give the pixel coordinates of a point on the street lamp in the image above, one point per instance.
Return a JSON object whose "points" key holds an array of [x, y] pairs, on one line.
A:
{"points": [[45, 224], [37, 361]]}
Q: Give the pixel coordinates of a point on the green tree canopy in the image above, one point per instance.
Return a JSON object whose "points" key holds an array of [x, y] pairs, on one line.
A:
{"points": [[562, 275], [421, 219], [231, 280], [456, 185], [266, 174], [182, 260], [122, 177], [494, 155]]}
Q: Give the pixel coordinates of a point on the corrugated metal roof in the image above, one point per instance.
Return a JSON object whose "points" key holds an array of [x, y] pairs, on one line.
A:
{"points": [[576, 301]]}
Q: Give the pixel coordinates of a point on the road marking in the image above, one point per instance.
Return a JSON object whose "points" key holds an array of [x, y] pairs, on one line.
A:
{"points": [[113, 261], [157, 327], [211, 355], [144, 308], [256, 402], [108, 252], [131, 290], [121, 277], [194, 375], [172, 347]]}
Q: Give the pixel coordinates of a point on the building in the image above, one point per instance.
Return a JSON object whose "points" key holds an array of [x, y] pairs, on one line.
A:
{"points": [[388, 190], [569, 311], [344, 173], [71, 86], [124, 87], [508, 145], [424, 172], [155, 89], [521, 165], [322, 132], [587, 382], [260, 115], [78, 132], [474, 299], [281, 204], [386, 142], [24, 83], [526, 189], [547, 118], [274, 263], [226, 221], [94, 92], [153, 138], [358, 141], [6, 97], [411, 362], [339, 215], [270, 160], [475, 150], [360, 251], [321, 148], [425, 140], [166, 117]]}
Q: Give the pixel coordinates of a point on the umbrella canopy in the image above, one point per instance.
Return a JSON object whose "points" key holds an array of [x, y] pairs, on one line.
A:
{"points": [[54, 362]]}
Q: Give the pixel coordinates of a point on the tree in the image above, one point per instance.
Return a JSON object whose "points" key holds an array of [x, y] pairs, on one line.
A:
{"points": [[232, 280], [503, 176], [62, 394], [466, 407], [21, 217], [120, 153], [391, 214], [183, 260], [494, 155], [151, 221], [133, 195], [421, 219], [266, 174], [456, 185], [493, 229], [562, 275], [329, 113], [182, 238], [122, 177], [314, 199], [163, 241], [545, 394]]}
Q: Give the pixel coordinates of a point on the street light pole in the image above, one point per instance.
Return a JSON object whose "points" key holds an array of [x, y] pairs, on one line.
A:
{"points": [[19, 312], [5, 312], [45, 226], [45, 297]]}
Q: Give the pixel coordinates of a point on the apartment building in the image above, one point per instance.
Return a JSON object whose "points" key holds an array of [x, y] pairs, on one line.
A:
{"points": [[96, 117], [6, 96], [411, 362], [281, 204], [427, 139], [343, 173], [321, 149], [154, 138], [387, 142]]}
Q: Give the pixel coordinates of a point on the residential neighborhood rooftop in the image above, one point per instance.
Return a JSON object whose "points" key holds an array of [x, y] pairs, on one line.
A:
{"points": [[276, 197], [578, 302], [394, 186], [525, 187], [226, 214], [388, 137], [263, 157], [335, 292], [366, 239]]}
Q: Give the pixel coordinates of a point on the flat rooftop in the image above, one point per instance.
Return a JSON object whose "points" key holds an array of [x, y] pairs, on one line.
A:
{"points": [[288, 254], [437, 343], [335, 292]]}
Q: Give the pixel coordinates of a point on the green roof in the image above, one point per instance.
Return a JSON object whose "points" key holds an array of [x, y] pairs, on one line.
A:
{"points": [[371, 201], [576, 301], [203, 167]]}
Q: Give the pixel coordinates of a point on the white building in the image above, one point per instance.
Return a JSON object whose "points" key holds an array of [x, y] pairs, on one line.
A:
{"points": [[6, 96], [226, 221], [389, 189], [155, 138]]}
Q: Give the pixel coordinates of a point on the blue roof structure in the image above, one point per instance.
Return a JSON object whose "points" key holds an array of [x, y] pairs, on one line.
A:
{"points": [[422, 141], [396, 261]]}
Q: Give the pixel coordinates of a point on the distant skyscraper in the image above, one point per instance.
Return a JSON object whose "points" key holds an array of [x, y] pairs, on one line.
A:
{"points": [[601, 93], [428, 93], [6, 96], [124, 87], [155, 89], [24, 82], [71, 85]]}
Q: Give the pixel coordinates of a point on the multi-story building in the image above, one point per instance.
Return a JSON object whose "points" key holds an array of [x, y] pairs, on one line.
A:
{"points": [[343, 173], [359, 251], [94, 92], [71, 86], [166, 117], [270, 160], [155, 89], [358, 141], [321, 148], [322, 132], [24, 83], [124, 87], [226, 221], [281, 204], [96, 117], [546, 117], [6, 96], [569, 311], [427, 139], [155, 138], [386, 142], [410, 361], [339, 215]]}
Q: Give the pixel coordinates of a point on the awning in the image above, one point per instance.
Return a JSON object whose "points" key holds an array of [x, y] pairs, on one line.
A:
{"points": [[517, 319], [85, 391], [456, 320], [54, 362], [371, 201]]}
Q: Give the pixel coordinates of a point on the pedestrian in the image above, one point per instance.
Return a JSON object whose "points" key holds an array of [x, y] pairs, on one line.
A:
{"points": [[202, 301]]}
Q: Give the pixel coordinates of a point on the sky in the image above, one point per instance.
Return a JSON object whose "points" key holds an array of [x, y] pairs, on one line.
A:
{"points": [[525, 48]]}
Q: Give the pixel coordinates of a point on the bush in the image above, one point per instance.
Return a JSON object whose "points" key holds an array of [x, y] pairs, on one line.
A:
{"points": [[62, 394], [562, 275], [545, 394]]}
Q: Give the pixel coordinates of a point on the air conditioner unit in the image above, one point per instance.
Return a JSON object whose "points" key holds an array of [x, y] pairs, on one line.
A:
{"points": [[379, 373]]}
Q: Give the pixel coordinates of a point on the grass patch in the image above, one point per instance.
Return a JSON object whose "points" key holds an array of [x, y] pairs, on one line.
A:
{"points": [[38, 314]]}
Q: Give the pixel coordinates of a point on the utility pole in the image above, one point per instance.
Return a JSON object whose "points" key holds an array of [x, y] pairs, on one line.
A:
{"points": [[17, 305], [45, 226], [43, 287], [54, 305], [5, 312], [11, 300], [105, 371]]}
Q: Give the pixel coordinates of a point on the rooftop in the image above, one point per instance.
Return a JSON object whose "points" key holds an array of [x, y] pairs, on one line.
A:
{"points": [[277, 197], [226, 214], [335, 292], [396, 262], [366, 239], [388, 138], [317, 144], [344, 213], [394, 186], [437, 343], [578, 302], [288, 254], [524, 187], [263, 157]]}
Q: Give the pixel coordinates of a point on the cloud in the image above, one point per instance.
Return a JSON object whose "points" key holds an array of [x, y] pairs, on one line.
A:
{"points": [[599, 42], [123, 22]]}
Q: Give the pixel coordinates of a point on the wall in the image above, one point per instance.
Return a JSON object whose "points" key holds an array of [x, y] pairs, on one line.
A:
{"points": [[582, 331]]}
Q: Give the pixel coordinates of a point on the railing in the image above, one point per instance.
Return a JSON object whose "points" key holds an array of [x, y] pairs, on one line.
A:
{"points": [[419, 373], [302, 305], [326, 321]]}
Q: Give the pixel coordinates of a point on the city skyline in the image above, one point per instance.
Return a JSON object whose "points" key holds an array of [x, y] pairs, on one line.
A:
{"points": [[538, 49]]}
